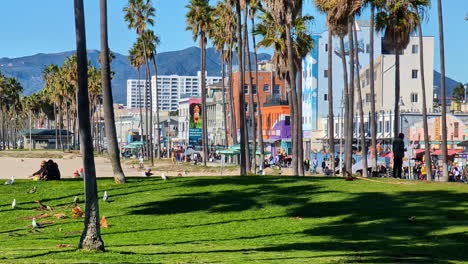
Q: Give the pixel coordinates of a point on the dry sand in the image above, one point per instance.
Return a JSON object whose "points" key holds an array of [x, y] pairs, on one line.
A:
{"points": [[22, 168]]}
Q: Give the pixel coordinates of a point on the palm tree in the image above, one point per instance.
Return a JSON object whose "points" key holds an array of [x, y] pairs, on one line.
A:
{"points": [[139, 14], [445, 176], [137, 59], [361, 107], [109, 117], [255, 5], [91, 236], [373, 120], [338, 20], [398, 21], [199, 20], [284, 12], [240, 58], [274, 35], [152, 41], [218, 35]]}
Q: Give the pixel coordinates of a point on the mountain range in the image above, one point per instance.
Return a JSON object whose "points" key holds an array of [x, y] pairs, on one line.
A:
{"points": [[186, 62]]}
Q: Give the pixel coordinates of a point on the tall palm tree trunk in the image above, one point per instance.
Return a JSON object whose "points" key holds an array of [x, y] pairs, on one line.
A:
{"points": [[331, 117], [158, 128], [361, 107], [145, 145], [91, 236], [68, 129], [443, 91], [292, 77], [56, 129], [351, 92], [253, 155], [300, 144], [231, 104], [396, 109], [149, 119], [427, 143], [241, 110], [203, 92], [223, 75], [372, 91], [141, 105], [259, 103], [347, 118], [109, 116]]}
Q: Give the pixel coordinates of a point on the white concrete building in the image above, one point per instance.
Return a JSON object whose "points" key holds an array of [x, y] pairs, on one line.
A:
{"points": [[170, 89], [184, 117], [384, 85]]}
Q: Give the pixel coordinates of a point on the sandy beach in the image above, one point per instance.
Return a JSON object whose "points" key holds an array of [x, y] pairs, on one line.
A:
{"points": [[22, 168]]}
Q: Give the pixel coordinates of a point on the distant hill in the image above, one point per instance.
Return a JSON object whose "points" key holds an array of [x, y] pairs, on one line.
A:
{"points": [[450, 84], [28, 70]]}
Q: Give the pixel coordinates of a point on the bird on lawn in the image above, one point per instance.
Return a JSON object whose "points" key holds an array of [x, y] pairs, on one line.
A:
{"points": [[105, 198], [33, 190], [13, 204], [11, 181], [76, 200], [35, 224], [163, 176]]}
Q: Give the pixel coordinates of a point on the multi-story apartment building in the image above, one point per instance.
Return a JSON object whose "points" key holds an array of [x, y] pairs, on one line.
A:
{"points": [[315, 81], [170, 89]]}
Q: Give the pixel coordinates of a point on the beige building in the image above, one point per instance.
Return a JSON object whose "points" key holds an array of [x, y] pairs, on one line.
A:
{"points": [[384, 79]]}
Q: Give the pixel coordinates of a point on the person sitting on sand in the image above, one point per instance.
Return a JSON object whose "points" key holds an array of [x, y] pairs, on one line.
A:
{"points": [[39, 174], [52, 171], [148, 172]]}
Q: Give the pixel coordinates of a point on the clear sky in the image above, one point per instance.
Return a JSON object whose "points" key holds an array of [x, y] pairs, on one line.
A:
{"points": [[28, 27]]}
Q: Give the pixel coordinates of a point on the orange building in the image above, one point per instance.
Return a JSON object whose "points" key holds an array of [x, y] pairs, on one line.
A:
{"points": [[269, 90]]}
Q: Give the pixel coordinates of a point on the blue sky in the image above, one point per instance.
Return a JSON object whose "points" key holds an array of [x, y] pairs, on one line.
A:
{"points": [[31, 26]]}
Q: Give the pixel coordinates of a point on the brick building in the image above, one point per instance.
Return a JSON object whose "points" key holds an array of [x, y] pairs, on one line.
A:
{"points": [[270, 89]]}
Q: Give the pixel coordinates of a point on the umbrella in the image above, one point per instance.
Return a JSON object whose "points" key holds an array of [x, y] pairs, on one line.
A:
{"points": [[227, 152], [190, 151]]}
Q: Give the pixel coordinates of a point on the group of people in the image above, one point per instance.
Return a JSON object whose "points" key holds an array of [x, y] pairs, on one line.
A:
{"points": [[49, 170]]}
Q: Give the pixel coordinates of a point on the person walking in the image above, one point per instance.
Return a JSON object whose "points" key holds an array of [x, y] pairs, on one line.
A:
{"points": [[324, 165], [314, 165], [398, 154], [307, 164]]}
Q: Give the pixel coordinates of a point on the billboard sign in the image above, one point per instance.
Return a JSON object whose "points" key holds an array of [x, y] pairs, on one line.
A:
{"points": [[195, 122]]}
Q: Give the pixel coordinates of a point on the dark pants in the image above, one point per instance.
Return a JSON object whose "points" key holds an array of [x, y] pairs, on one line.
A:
{"points": [[397, 167]]}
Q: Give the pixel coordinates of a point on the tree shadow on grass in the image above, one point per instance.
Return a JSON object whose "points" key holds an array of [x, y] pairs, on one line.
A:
{"points": [[256, 193], [403, 227]]}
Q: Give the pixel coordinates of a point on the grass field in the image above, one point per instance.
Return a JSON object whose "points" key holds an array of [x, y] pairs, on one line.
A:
{"points": [[244, 220]]}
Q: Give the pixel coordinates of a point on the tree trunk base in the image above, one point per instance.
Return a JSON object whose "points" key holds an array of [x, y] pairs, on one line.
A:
{"points": [[92, 242]]}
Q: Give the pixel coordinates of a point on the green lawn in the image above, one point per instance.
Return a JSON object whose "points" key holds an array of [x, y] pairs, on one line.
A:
{"points": [[244, 220]]}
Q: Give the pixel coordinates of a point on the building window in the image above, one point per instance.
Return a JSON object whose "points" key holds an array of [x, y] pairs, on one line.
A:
{"points": [[266, 88], [414, 49], [367, 77], [367, 48], [254, 89], [368, 97], [455, 129], [387, 126], [246, 107], [246, 89], [325, 97], [287, 120], [414, 74], [326, 47], [255, 107], [380, 126], [276, 89], [414, 97], [325, 74]]}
